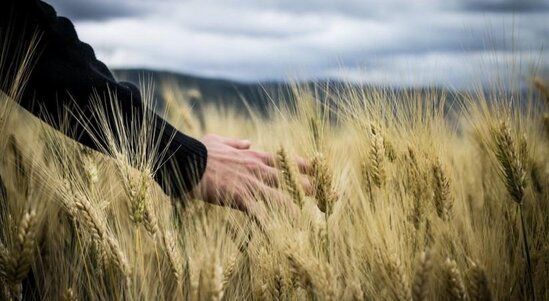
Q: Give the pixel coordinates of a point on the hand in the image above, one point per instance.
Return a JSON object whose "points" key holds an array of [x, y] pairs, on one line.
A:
{"points": [[236, 176]]}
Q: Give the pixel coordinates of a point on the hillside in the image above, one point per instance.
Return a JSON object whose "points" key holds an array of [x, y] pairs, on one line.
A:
{"points": [[217, 91]]}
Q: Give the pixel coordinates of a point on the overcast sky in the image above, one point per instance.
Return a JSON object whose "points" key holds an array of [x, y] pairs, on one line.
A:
{"points": [[404, 42]]}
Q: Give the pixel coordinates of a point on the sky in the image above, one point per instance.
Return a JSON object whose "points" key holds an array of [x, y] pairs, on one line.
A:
{"points": [[390, 42]]}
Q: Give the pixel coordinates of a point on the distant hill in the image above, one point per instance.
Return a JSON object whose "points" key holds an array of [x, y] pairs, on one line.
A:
{"points": [[258, 95], [211, 91]]}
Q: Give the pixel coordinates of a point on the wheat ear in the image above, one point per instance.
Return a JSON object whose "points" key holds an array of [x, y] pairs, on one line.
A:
{"points": [[81, 210], [390, 150], [478, 284], [512, 160], [442, 194], [377, 160], [174, 256], [90, 168], [69, 295], [137, 191], [290, 177], [422, 274], [396, 271], [324, 192], [210, 285], [15, 263], [229, 270], [279, 286], [455, 287], [512, 166]]}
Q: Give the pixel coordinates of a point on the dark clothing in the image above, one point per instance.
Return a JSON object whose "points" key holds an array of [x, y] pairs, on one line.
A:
{"points": [[66, 73]]}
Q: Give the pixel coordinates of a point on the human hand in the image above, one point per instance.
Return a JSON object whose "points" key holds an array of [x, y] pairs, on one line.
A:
{"points": [[236, 176]]}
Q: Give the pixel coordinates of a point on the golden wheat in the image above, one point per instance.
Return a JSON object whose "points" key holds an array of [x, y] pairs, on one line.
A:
{"points": [[479, 285], [420, 285], [290, 177], [454, 281], [428, 175]]}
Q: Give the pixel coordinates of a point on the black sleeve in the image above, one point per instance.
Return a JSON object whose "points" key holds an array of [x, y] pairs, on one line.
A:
{"points": [[66, 72]]}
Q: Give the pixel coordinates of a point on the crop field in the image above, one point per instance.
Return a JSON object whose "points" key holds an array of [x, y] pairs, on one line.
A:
{"points": [[415, 198]]}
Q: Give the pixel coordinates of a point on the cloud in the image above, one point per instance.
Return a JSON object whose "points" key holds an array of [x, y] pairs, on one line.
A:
{"points": [[96, 9], [458, 69], [516, 6], [430, 40]]}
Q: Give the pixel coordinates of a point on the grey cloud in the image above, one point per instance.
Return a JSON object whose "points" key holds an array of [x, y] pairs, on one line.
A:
{"points": [[97, 10], [505, 5], [262, 40]]}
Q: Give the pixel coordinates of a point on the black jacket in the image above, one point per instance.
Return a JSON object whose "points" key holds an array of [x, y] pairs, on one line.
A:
{"points": [[66, 73]]}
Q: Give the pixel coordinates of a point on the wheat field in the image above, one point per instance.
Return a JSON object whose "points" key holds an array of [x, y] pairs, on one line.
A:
{"points": [[415, 198]]}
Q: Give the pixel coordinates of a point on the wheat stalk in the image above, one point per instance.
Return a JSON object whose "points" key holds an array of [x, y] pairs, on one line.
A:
{"points": [[81, 210], [69, 295], [228, 271], [21, 168], [478, 283], [324, 192], [390, 150], [398, 275], [150, 221], [512, 165], [319, 284], [210, 285], [442, 194], [367, 180], [315, 130], [279, 286], [15, 262], [90, 168], [377, 161], [455, 287], [290, 177], [301, 274], [137, 188], [174, 257], [352, 291], [512, 161], [420, 285], [416, 184]]}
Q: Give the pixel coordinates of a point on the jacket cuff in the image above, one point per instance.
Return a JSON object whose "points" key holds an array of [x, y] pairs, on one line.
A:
{"points": [[184, 162]]}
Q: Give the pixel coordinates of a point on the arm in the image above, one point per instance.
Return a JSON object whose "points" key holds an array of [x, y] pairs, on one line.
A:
{"points": [[66, 72], [219, 170]]}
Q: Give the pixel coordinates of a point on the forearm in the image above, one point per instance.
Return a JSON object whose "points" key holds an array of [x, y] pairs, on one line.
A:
{"points": [[66, 73]]}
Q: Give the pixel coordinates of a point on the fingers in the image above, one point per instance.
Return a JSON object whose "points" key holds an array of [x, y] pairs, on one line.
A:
{"points": [[270, 160], [271, 176], [247, 197], [275, 198], [236, 143], [268, 175], [267, 158], [306, 184], [304, 166]]}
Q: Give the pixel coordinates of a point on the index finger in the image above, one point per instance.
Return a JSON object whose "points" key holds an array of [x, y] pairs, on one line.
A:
{"points": [[304, 166]]}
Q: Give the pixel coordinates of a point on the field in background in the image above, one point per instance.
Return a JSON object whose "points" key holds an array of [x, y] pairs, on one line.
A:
{"points": [[414, 199]]}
